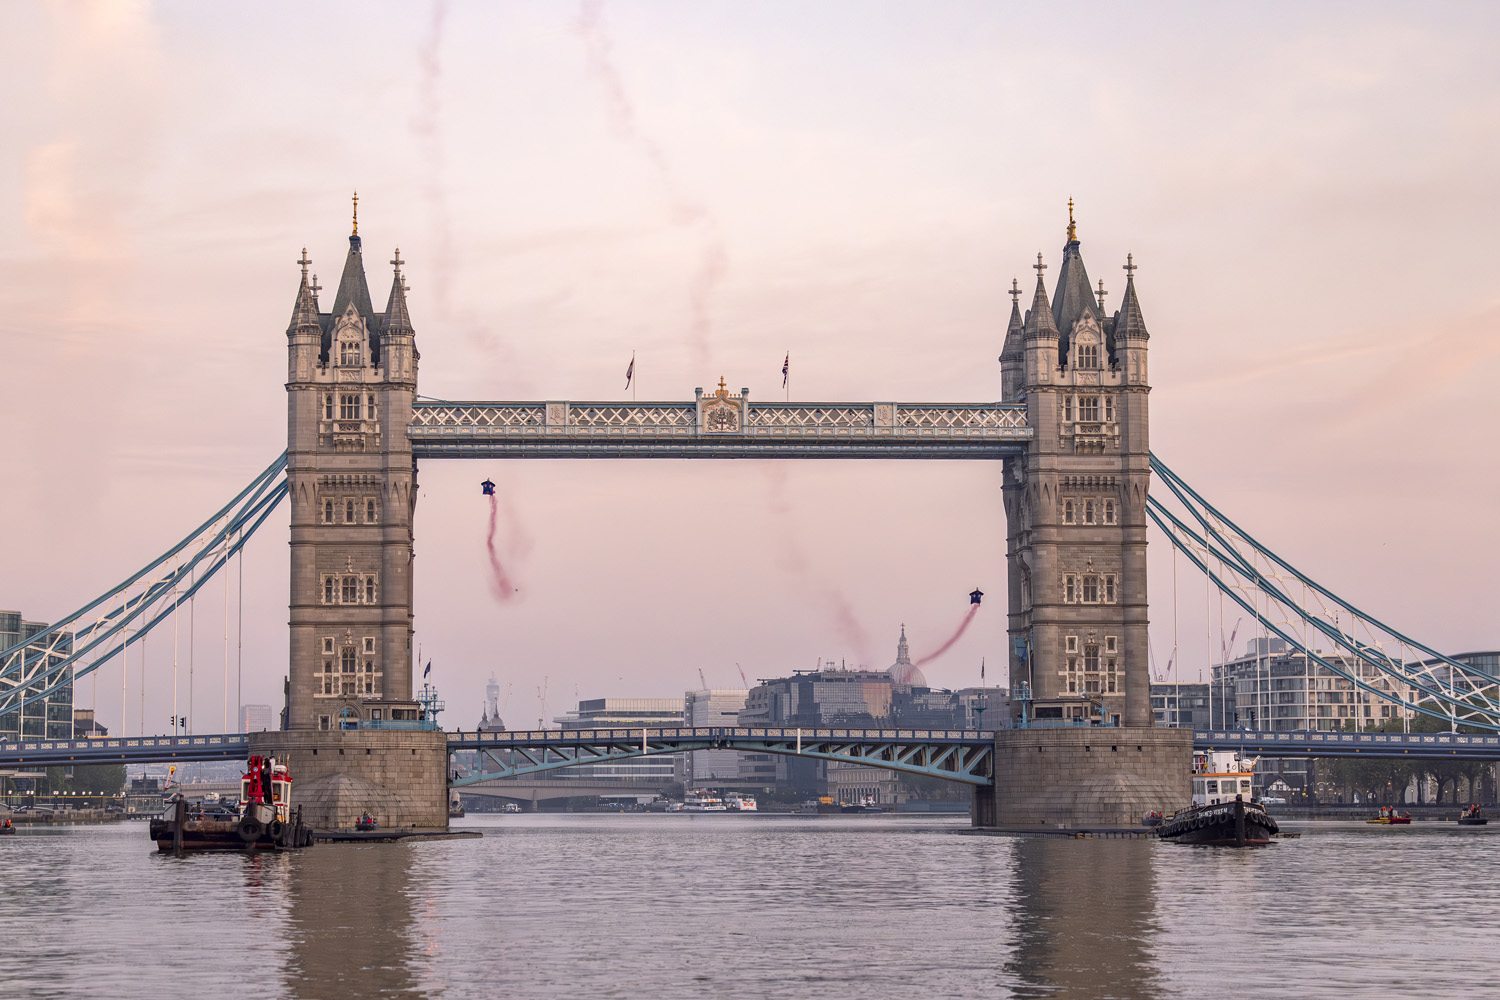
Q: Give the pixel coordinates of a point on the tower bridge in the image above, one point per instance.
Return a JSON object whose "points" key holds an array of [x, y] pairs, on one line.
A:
{"points": [[1071, 429]]}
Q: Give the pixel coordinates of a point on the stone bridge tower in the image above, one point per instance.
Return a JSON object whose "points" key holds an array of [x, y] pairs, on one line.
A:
{"points": [[352, 733], [1075, 503], [1075, 508], [351, 379]]}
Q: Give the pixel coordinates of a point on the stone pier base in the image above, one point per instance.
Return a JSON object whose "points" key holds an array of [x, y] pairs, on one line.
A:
{"points": [[1095, 778], [399, 777]]}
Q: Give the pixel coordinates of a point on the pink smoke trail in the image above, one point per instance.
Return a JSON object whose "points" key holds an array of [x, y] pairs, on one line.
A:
{"points": [[793, 560], [713, 259], [500, 584], [973, 610]]}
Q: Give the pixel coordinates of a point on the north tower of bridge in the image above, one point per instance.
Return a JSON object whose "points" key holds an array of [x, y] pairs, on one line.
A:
{"points": [[351, 380], [1075, 502]]}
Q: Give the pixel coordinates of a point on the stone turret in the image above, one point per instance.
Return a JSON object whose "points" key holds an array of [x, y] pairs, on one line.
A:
{"points": [[1075, 510], [351, 381], [1075, 503]]}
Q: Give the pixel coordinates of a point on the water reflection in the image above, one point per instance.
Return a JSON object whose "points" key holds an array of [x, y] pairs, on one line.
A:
{"points": [[349, 928], [1085, 917]]}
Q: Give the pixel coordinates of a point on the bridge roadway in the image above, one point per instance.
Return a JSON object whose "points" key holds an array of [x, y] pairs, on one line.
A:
{"points": [[956, 754]]}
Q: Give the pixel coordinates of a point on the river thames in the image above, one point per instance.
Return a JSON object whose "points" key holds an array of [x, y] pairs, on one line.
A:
{"points": [[754, 906]]}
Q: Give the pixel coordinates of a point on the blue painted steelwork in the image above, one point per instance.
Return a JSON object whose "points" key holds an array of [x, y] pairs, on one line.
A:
{"points": [[1405, 672], [124, 750], [564, 429], [34, 668], [1445, 746], [953, 754]]}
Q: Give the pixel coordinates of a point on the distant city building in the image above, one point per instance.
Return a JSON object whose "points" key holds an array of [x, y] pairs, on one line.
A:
{"points": [[489, 720], [85, 726], [51, 717], [628, 713], [1181, 706], [718, 707], [895, 698], [1275, 687], [255, 718]]}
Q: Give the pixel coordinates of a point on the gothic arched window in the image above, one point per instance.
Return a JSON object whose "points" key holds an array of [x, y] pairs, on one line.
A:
{"points": [[349, 354], [1088, 356]]}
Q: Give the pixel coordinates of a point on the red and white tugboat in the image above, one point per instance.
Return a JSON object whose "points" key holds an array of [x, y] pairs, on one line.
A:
{"points": [[1223, 811], [265, 819]]}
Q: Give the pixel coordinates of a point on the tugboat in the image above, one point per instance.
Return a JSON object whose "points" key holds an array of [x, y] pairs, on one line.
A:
{"points": [[1472, 816], [1220, 813], [264, 820], [1391, 816]]}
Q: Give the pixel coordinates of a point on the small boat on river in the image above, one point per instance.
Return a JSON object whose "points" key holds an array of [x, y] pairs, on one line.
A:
{"points": [[1390, 816], [1472, 816], [1223, 811], [264, 819]]}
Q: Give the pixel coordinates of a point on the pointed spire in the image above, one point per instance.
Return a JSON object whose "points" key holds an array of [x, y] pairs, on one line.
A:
{"points": [[305, 312], [397, 319], [352, 287], [1129, 324], [1015, 331], [1074, 296], [1039, 321]]}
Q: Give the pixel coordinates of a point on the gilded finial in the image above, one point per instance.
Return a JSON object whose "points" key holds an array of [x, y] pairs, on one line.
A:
{"points": [[356, 215], [723, 388], [1072, 231]]}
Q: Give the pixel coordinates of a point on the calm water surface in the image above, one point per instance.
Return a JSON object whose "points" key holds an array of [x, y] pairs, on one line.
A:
{"points": [[763, 906]]}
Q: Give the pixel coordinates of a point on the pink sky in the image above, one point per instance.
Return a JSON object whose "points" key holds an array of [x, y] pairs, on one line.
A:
{"points": [[1309, 195]]}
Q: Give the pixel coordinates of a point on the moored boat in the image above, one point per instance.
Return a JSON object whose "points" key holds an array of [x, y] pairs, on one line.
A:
{"points": [[1473, 816], [703, 801], [1222, 810], [740, 802], [264, 820]]}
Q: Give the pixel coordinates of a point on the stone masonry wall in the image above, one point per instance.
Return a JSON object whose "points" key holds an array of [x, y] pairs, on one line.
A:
{"points": [[400, 777], [1088, 778]]}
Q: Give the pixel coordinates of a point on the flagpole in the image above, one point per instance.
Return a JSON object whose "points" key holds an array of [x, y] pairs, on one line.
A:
{"points": [[633, 380]]}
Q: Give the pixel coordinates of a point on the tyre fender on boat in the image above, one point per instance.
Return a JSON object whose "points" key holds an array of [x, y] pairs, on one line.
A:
{"points": [[250, 829]]}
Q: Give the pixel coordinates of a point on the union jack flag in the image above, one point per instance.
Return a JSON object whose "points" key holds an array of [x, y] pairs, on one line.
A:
{"points": [[786, 367], [630, 371]]}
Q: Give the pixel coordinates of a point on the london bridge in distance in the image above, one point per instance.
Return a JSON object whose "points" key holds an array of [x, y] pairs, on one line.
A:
{"points": [[920, 713]]}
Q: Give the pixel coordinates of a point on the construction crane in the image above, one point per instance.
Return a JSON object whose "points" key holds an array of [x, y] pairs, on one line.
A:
{"points": [[701, 679], [743, 679]]}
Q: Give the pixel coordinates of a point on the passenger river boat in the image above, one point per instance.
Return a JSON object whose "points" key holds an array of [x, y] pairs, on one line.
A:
{"points": [[263, 821], [1223, 811]]}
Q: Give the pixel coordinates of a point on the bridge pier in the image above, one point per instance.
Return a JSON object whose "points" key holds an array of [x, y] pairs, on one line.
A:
{"points": [[1085, 778], [398, 776]]}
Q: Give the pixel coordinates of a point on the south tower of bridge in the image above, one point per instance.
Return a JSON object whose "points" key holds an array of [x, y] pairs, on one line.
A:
{"points": [[1075, 502]]}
